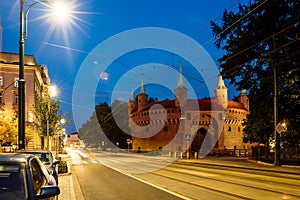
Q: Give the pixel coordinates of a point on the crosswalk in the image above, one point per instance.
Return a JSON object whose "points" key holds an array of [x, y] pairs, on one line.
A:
{"points": [[85, 162]]}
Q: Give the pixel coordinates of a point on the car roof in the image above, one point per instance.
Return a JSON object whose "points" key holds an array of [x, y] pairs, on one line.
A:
{"points": [[34, 151], [15, 157]]}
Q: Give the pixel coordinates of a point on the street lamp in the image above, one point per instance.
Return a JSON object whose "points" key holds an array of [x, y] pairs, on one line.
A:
{"points": [[21, 81], [52, 93], [60, 133]]}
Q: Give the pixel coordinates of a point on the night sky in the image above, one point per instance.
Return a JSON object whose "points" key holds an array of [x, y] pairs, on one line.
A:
{"points": [[66, 48]]}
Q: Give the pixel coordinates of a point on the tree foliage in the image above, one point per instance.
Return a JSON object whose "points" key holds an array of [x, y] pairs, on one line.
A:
{"points": [[103, 127], [91, 133], [49, 111], [8, 126], [260, 37]]}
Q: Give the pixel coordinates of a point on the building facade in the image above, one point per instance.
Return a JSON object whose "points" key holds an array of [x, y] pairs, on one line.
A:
{"points": [[37, 84], [183, 125]]}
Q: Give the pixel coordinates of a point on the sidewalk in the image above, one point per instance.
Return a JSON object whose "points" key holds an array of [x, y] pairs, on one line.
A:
{"points": [[68, 183]]}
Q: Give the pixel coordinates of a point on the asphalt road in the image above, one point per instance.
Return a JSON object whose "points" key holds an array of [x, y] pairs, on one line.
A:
{"points": [[103, 175], [100, 182]]}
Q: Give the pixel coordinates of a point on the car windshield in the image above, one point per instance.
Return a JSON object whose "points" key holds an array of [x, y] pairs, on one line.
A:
{"points": [[12, 182]]}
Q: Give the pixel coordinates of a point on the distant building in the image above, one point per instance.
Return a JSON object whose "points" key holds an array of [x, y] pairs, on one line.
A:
{"points": [[73, 140], [186, 122], [37, 83]]}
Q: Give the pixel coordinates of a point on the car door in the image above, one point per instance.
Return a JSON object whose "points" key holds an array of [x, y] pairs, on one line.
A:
{"points": [[39, 176]]}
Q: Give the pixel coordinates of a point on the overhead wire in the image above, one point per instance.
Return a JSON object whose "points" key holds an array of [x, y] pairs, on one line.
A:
{"points": [[267, 38], [194, 36]]}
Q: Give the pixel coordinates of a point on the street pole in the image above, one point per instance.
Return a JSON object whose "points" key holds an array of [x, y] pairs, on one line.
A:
{"points": [[48, 142], [276, 133], [21, 83], [275, 68], [56, 144]]}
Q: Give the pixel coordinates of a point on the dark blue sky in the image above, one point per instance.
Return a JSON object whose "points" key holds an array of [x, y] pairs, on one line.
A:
{"points": [[65, 48]]}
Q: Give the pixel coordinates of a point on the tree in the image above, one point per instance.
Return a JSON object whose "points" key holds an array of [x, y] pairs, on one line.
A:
{"points": [[8, 126], [114, 132], [49, 110], [260, 38], [91, 133]]}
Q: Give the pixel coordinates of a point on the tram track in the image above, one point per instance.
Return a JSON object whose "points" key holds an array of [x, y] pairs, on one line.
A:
{"points": [[217, 181], [257, 175], [230, 184]]}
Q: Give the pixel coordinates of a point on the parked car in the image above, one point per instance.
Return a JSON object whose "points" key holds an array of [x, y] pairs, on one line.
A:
{"points": [[24, 176], [47, 159], [7, 147]]}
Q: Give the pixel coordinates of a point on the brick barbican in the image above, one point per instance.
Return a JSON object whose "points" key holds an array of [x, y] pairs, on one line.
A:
{"points": [[170, 125]]}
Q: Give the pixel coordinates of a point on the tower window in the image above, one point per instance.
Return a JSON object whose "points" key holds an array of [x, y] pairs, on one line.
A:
{"points": [[229, 129], [220, 116], [188, 116]]}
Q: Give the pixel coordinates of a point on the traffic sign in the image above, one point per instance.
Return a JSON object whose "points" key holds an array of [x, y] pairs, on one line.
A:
{"points": [[280, 127]]}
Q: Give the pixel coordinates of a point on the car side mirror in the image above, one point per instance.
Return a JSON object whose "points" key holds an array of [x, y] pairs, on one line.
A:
{"points": [[48, 191], [52, 180], [56, 162]]}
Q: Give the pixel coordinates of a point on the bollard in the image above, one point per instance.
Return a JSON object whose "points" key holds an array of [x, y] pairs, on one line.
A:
{"points": [[195, 155], [62, 167]]}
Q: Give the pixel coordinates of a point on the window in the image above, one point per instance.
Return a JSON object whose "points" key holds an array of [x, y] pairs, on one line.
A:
{"points": [[37, 175], [16, 82], [1, 80], [220, 116], [229, 129], [188, 116], [239, 129], [1, 97], [16, 99], [12, 181]]}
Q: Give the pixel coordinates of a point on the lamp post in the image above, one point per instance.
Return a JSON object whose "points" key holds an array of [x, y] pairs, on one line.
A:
{"points": [[21, 81], [52, 93], [62, 122]]}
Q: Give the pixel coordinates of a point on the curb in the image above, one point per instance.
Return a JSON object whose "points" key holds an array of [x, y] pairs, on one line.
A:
{"points": [[269, 164], [260, 165]]}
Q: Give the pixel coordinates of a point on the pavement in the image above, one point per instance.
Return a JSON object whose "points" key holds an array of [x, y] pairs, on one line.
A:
{"points": [[70, 187], [68, 183]]}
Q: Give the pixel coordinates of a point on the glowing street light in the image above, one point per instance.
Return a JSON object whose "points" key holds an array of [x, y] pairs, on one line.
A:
{"points": [[21, 81], [52, 91], [61, 11], [62, 122]]}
